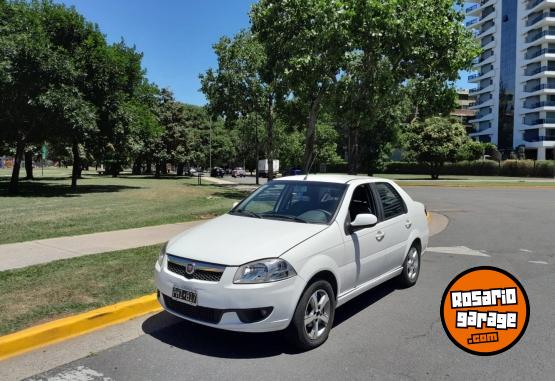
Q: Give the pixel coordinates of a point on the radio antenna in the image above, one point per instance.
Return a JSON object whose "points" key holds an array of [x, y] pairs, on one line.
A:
{"points": [[310, 166]]}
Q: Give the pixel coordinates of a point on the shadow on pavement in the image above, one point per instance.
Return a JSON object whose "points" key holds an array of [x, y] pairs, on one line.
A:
{"points": [[213, 342]]}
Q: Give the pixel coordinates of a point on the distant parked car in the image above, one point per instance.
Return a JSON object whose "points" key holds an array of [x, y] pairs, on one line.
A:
{"points": [[191, 172], [293, 172], [238, 172], [217, 172]]}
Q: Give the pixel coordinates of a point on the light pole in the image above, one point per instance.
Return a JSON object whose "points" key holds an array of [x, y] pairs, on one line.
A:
{"points": [[210, 147]]}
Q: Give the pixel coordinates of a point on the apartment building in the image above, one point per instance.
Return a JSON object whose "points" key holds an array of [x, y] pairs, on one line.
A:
{"points": [[514, 76], [463, 112]]}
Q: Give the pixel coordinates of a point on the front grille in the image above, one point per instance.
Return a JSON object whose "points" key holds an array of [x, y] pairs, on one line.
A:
{"points": [[208, 315], [209, 276]]}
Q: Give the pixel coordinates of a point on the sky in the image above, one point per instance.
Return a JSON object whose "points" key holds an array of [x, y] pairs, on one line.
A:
{"points": [[175, 36]]}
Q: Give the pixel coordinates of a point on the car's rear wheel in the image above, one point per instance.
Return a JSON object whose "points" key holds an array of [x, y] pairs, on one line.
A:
{"points": [[411, 268], [313, 317]]}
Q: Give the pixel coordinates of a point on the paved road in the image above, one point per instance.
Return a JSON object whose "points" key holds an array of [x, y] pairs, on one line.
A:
{"points": [[386, 333]]}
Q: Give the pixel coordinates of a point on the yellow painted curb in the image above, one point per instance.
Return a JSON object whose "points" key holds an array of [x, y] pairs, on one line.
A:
{"points": [[63, 329]]}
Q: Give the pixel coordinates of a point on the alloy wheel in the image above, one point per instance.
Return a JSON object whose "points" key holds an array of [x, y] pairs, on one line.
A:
{"points": [[413, 264], [317, 313]]}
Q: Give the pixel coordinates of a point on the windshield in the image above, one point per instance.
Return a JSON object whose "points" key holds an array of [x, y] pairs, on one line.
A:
{"points": [[298, 201]]}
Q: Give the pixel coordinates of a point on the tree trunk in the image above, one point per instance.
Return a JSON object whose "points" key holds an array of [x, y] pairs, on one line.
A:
{"points": [[352, 150], [180, 169], [137, 164], [270, 147], [257, 153], [75, 171], [164, 168], [148, 170], [115, 169], [158, 170], [310, 140], [29, 165], [14, 181]]}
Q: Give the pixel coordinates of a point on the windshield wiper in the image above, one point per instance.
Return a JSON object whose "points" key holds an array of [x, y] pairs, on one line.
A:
{"points": [[247, 213], [284, 217]]}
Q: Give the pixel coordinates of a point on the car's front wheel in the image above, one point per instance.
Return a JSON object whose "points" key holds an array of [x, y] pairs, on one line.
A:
{"points": [[313, 317], [411, 268]]}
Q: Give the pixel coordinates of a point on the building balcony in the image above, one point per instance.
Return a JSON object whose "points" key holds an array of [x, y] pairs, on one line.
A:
{"points": [[539, 139], [540, 72], [539, 53], [478, 105], [485, 32], [478, 61], [489, 45], [539, 106], [541, 20], [482, 118], [484, 131], [542, 122], [542, 87], [478, 77], [481, 90], [536, 5], [545, 35]]}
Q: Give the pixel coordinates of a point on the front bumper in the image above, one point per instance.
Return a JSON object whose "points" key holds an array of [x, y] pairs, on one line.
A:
{"points": [[224, 302]]}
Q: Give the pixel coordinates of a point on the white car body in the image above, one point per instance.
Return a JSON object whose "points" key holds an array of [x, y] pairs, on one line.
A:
{"points": [[357, 261]]}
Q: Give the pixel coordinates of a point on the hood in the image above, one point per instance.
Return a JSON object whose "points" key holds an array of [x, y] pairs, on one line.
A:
{"points": [[234, 240]]}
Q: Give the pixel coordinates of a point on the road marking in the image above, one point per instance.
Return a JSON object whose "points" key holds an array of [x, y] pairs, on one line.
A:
{"points": [[525, 250], [81, 373], [459, 250], [539, 262]]}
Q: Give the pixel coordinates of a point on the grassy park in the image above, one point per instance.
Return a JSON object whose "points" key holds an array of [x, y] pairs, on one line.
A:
{"points": [[35, 294], [47, 208]]}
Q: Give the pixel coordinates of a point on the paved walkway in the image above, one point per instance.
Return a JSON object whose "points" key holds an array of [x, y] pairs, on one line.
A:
{"points": [[22, 254]]}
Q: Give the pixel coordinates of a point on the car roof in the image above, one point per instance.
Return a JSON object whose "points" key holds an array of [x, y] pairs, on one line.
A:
{"points": [[333, 178]]}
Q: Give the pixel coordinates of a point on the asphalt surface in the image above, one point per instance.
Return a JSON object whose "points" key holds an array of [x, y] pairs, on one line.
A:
{"points": [[386, 333]]}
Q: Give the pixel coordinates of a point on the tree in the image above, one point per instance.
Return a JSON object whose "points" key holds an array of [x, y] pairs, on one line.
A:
{"points": [[435, 141], [242, 88], [305, 42], [375, 46]]}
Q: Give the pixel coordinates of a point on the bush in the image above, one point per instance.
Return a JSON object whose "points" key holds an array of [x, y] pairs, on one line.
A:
{"points": [[511, 168]]}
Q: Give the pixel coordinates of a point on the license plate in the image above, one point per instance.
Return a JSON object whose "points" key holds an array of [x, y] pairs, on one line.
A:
{"points": [[186, 296]]}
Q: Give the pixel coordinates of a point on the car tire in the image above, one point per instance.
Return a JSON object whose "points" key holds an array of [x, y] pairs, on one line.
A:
{"points": [[313, 305], [411, 268]]}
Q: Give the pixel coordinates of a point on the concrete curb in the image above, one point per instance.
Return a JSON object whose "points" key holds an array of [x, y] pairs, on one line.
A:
{"points": [[66, 328]]}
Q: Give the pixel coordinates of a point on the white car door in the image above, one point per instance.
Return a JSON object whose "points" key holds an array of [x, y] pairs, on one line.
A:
{"points": [[394, 225], [365, 244]]}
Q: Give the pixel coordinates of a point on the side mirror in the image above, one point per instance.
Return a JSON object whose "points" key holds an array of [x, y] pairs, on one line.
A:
{"points": [[235, 204], [363, 221]]}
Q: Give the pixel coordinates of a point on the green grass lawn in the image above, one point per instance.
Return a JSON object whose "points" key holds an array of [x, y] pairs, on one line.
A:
{"points": [[37, 294], [46, 207]]}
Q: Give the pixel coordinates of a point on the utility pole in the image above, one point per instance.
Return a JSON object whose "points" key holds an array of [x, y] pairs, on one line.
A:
{"points": [[256, 143], [210, 148]]}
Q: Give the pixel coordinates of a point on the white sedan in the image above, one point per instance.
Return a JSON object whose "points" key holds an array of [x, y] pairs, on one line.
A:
{"points": [[290, 253]]}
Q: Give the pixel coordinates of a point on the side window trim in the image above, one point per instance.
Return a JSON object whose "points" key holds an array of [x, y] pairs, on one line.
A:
{"points": [[378, 202], [377, 195]]}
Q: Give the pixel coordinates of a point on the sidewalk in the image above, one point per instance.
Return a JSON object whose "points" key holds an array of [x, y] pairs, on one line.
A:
{"points": [[22, 254]]}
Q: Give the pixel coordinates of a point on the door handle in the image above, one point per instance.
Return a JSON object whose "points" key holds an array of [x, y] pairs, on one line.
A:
{"points": [[380, 235], [408, 224]]}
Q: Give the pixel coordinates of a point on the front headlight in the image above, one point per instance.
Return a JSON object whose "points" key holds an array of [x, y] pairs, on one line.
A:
{"points": [[162, 254], [263, 271]]}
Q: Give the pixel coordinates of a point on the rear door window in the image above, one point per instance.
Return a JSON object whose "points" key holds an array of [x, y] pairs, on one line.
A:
{"points": [[392, 202]]}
